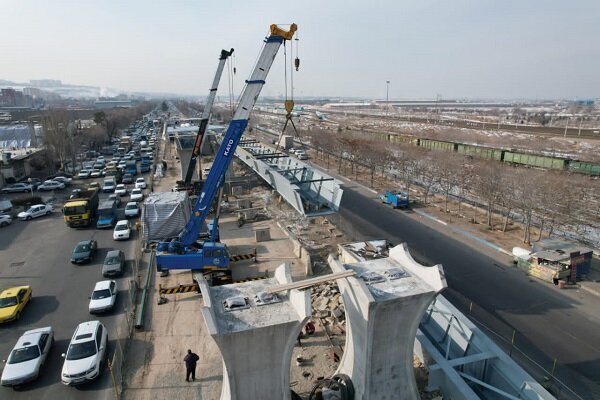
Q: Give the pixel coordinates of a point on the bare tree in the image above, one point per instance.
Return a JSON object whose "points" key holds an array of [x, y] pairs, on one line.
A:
{"points": [[488, 187]]}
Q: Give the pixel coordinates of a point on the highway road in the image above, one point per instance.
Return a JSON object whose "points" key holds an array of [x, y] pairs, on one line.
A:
{"points": [[37, 253], [549, 323]]}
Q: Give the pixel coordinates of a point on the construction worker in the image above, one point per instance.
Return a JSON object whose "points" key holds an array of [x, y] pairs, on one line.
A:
{"points": [[190, 365]]}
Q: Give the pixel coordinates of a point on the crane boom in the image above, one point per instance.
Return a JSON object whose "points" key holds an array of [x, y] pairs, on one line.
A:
{"points": [[206, 116], [184, 253]]}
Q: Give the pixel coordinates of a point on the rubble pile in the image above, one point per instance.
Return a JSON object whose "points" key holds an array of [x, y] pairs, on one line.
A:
{"points": [[328, 305]]}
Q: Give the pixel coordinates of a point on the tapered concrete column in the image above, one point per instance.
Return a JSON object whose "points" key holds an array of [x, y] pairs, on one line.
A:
{"points": [[384, 304], [256, 339]]}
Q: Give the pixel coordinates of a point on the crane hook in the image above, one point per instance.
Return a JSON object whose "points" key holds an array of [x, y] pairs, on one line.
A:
{"points": [[297, 63]]}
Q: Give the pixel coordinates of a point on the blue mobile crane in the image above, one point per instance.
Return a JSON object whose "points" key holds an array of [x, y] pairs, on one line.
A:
{"points": [[186, 252]]}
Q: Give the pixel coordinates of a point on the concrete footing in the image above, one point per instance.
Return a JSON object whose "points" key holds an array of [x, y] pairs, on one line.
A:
{"points": [[384, 304], [256, 334]]}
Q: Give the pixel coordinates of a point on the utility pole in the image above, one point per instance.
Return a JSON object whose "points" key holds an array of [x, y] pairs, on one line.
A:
{"points": [[567, 126], [580, 122], [387, 98]]}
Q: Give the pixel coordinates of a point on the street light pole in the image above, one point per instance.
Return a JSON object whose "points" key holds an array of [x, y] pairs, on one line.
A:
{"points": [[387, 98]]}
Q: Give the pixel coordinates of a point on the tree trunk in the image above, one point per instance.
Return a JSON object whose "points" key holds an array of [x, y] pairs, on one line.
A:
{"points": [[506, 220], [541, 229]]}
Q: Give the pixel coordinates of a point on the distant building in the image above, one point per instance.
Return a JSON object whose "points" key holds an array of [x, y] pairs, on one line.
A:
{"points": [[113, 103], [13, 98], [33, 92], [45, 82]]}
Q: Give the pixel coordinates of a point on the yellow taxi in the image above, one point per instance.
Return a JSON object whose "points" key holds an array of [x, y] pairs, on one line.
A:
{"points": [[13, 301]]}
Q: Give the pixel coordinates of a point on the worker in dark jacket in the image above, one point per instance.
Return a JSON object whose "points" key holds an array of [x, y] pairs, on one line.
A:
{"points": [[190, 365]]}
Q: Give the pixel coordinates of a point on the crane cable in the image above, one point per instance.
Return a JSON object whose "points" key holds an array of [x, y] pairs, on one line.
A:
{"points": [[289, 102]]}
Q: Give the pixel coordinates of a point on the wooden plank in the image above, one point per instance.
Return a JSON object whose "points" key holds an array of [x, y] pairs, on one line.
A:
{"points": [[310, 282]]}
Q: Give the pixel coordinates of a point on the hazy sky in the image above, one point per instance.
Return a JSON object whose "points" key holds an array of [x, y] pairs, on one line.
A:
{"points": [[455, 48]]}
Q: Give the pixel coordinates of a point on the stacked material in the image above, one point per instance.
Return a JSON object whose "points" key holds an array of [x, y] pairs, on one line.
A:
{"points": [[164, 215], [327, 304]]}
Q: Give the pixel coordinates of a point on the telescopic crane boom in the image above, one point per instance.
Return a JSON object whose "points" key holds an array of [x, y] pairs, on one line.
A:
{"points": [[186, 252], [206, 116]]}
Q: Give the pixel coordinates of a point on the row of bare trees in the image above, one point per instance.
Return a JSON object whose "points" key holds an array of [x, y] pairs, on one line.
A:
{"points": [[64, 137], [552, 201]]}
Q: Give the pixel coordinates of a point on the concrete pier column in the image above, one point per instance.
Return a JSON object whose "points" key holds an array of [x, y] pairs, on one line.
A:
{"points": [[256, 334], [384, 304]]}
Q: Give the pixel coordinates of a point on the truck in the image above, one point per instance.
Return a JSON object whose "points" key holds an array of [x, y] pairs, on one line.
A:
{"points": [[145, 164], [107, 214], [131, 167], [80, 211], [125, 142], [396, 198], [113, 172]]}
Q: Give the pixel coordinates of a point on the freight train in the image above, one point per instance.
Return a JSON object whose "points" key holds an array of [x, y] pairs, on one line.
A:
{"points": [[507, 156]]}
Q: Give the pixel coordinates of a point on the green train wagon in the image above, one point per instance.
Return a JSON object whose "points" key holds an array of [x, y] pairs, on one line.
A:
{"points": [[533, 160], [584, 168], [437, 145], [487, 153]]}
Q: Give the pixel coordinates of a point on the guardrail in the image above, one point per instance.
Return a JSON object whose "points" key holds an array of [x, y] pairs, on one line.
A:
{"points": [[139, 321]]}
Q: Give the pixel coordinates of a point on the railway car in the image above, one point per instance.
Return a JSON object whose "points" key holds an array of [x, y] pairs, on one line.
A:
{"points": [[533, 160], [487, 153], [584, 168], [437, 145]]}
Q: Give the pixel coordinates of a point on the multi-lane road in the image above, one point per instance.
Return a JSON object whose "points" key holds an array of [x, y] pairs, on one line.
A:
{"points": [[549, 323], [37, 253]]}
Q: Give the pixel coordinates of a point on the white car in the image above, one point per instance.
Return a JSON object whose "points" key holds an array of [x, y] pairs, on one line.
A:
{"points": [[96, 173], [84, 173], [87, 351], [140, 183], [120, 190], [137, 194], [51, 185], [62, 179], [5, 220], [35, 211], [28, 355], [17, 188], [132, 209], [122, 230], [103, 297]]}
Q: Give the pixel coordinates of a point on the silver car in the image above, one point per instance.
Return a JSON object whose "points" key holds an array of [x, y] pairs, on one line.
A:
{"points": [[27, 357], [17, 188]]}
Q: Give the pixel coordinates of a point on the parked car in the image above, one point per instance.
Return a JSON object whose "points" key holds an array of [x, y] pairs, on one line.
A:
{"points": [[5, 220], [96, 173], [13, 301], [122, 230], [84, 173], [121, 190], [84, 251], [51, 185], [127, 178], [103, 297], [62, 179], [132, 210], [35, 211], [86, 352], [116, 198], [17, 188], [27, 357], [140, 183], [114, 263], [137, 194]]}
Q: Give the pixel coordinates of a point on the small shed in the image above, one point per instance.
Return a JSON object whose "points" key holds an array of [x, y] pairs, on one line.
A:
{"points": [[578, 257]]}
